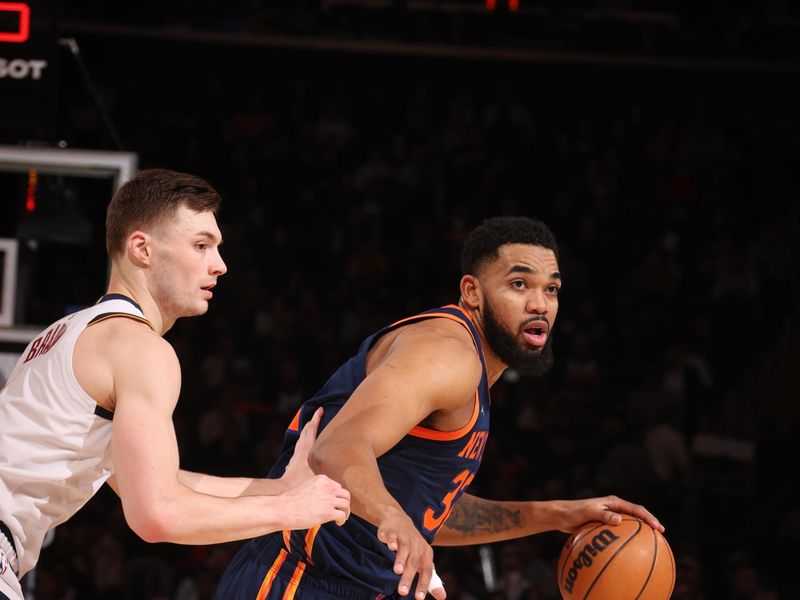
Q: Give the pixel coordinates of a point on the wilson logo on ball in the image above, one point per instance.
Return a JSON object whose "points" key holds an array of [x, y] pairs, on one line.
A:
{"points": [[586, 556]]}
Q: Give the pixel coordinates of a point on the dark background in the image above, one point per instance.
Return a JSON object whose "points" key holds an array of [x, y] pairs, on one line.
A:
{"points": [[356, 146]]}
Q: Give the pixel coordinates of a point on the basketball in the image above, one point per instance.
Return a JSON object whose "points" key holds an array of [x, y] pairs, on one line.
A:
{"points": [[629, 561]]}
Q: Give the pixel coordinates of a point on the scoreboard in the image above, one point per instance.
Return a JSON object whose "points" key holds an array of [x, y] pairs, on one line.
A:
{"points": [[28, 70]]}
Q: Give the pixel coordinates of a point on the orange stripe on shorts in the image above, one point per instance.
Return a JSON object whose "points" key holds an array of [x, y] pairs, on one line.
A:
{"points": [[294, 582], [270, 578], [287, 539], [310, 537]]}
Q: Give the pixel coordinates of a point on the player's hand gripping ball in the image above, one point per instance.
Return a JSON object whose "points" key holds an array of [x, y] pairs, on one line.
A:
{"points": [[629, 561]]}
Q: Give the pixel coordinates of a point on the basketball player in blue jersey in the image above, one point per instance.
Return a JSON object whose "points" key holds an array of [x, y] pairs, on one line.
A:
{"points": [[405, 425], [110, 364]]}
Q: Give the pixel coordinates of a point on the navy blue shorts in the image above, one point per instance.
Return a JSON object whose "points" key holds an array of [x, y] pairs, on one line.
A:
{"points": [[280, 576]]}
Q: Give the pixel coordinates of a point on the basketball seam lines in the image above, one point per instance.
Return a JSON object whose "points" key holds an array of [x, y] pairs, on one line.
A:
{"points": [[672, 561], [610, 560], [652, 566]]}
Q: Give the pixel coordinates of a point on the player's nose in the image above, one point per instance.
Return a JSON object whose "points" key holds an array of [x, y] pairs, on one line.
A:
{"points": [[537, 302], [218, 267]]}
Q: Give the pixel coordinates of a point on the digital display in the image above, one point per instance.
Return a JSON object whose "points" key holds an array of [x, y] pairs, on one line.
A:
{"points": [[15, 22], [28, 70]]}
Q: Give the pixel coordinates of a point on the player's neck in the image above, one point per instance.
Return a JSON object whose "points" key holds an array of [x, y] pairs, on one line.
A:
{"points": [[494, 366], [138, 292]]}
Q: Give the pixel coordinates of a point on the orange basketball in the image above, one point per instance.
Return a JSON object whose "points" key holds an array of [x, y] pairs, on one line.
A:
{"points": [[629, 561]]}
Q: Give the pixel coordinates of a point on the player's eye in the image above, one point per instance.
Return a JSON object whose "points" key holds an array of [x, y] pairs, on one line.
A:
{"points": [[553, 289], [519, 284]]}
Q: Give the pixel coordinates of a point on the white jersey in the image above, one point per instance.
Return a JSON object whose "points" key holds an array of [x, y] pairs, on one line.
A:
{"points": [[54, 438]]}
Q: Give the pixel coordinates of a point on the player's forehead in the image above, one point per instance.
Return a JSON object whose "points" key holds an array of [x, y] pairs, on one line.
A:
{"points": [[187, 222], [524, 257]]}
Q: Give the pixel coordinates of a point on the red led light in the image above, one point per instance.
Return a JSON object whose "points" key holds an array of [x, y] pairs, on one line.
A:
{"points": [[23, 33], [513, 5], [30, 195]]}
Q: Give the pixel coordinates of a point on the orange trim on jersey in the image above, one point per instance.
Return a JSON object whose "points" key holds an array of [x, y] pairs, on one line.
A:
{"points": [[435, 434], [311, 535], [447, 436], [287, 539], [266, 585], [295, 424], [294, 581], [423, 316], [128, 315]]}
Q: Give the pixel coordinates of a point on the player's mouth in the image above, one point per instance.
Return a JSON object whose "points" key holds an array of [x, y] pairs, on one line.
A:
{"points": [[207, 291], [535, 332]]}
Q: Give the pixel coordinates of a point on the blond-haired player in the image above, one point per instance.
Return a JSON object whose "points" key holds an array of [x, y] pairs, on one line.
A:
{"points": [[91, 399]]}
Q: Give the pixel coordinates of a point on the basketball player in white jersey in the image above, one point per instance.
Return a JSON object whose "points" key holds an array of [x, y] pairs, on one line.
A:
{"points": [[109, 363]]}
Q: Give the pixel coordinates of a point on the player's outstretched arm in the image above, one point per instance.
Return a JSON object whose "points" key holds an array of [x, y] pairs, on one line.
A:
{"points": [[423, 372], [157, 506], [297, 472], [478, 521]]}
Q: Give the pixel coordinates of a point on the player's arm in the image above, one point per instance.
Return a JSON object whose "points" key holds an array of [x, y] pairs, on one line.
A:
{"points": [[296, 472], [225, 487], [478, 521], [157, 506], [230, 487], [423, 372]]}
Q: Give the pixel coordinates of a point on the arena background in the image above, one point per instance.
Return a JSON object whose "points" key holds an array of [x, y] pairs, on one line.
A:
{"points": [[355, 144]]}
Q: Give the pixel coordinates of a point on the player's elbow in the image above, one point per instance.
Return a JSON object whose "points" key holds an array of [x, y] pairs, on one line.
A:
{"points": [[317, 460], [327, 458], [331, 457], [152, 523]]}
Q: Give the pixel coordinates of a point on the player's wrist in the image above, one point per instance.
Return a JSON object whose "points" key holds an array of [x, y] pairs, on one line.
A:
{"points": [[271, 487], [390, 512], [549, 515]]}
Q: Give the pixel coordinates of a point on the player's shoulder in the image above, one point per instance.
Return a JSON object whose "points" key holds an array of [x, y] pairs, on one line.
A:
{"points": [[129, 338], [441, 344], [444, 334]]}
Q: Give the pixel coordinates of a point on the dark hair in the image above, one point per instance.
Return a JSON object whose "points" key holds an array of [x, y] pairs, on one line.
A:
{"points": [[151, 198], [482, 244]]}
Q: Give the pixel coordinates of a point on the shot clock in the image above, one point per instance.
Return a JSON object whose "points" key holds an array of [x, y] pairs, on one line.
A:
{"points": [[28, 70]]}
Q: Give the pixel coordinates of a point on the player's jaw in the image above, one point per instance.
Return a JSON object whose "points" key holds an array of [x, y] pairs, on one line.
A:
{"points": [[180, 293]]}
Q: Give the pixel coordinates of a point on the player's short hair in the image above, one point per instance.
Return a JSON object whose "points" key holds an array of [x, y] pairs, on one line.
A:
{"points": [[151, 198], [483, 243]]}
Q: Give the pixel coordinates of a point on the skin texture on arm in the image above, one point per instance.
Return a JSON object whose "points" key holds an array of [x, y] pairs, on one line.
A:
{"points": [[296, 472], [157, 505], [230, 487], [428, 372], [478, 521]]}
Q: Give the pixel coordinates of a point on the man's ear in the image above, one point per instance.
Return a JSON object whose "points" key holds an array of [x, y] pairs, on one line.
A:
{"points": [[471, 292], [139, 248]]}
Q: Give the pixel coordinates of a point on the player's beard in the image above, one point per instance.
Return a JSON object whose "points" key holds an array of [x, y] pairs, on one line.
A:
{"points": [[526, 360]]}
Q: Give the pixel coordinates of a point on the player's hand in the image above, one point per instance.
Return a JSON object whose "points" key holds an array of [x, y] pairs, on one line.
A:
{"points": [[414, 554], [314, 501], [606, 510], [298, 470]]}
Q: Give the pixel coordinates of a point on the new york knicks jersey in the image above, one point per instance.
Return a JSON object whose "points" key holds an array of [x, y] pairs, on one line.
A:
{"points": [[54, 447], [426, 472]]}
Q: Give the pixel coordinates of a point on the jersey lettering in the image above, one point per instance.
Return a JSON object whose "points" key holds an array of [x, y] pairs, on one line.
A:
{"points": [[475, 445], [461, 481], [43, 343]]}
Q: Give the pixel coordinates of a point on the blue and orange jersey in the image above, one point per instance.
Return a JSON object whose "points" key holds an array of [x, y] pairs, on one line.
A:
{"points": [[426, 472]]}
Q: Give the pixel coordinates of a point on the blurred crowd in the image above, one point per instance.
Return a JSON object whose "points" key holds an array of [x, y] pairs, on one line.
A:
{"points": [[349, 185]]}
